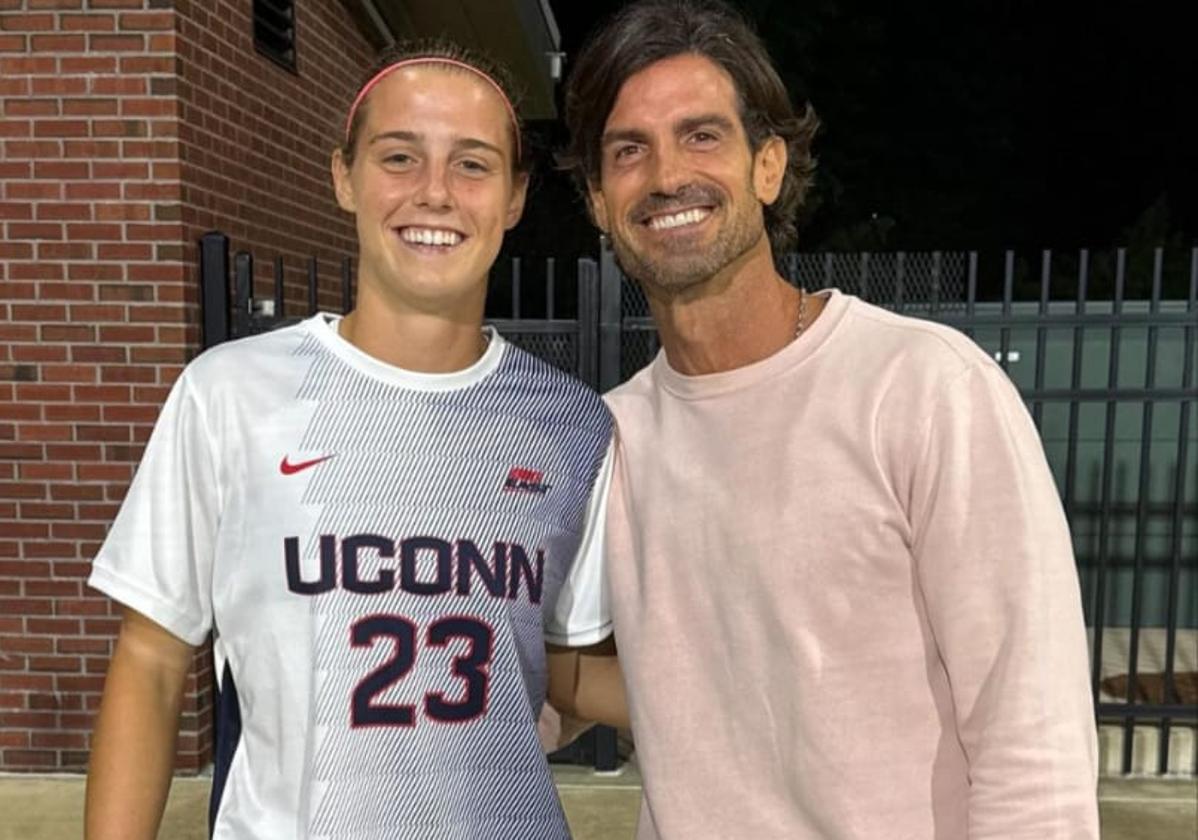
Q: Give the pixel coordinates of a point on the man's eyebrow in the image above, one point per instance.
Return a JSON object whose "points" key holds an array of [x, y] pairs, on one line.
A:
{"points": [[689, 124], [683, 126], [623, 135]]}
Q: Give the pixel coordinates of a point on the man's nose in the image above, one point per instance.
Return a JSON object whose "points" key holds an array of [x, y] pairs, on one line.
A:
{"points": [[670, 172]]}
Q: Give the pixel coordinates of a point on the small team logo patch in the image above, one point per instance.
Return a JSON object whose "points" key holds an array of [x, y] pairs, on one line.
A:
{"points": [[524, 480], [289, 467]]}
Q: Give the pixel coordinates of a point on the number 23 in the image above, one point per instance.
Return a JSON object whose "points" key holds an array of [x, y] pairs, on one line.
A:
{"points": [[472, 668]]}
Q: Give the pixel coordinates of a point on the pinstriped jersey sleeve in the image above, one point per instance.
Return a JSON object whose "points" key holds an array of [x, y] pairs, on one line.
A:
{"points": [[157, 559], [582, 612]]}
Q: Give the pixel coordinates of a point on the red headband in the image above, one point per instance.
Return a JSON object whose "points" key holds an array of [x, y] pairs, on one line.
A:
{"points": [[432, 59]]}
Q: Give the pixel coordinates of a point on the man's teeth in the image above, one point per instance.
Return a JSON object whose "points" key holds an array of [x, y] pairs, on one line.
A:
{"points": [[686, 217], [430, 236]]}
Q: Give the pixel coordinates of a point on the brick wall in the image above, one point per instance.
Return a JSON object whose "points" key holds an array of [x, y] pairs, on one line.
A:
{"points": [[257, 138], [127, 130]]}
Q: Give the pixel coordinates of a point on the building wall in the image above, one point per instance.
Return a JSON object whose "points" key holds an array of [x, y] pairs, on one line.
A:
{"points": [[128, 129]]}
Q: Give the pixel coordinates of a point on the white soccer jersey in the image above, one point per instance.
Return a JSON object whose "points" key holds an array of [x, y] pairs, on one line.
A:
{"points": [[381, 555]]}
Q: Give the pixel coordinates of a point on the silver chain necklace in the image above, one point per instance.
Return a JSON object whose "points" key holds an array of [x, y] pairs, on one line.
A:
{"points": [[802, 311]]}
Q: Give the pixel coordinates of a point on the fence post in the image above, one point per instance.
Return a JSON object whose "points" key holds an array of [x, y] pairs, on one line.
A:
{"points": [[610, 279], [588, 321], [214, 287]]}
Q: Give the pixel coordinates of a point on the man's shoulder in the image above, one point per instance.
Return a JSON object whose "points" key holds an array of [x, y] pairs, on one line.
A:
{"points": [[919, 346]]}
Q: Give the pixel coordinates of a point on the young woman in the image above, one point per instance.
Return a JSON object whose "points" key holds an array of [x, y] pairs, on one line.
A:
{"points": [[383, 518]]}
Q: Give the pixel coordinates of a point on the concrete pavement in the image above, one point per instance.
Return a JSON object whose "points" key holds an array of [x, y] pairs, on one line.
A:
{"points": [[599, 807]]}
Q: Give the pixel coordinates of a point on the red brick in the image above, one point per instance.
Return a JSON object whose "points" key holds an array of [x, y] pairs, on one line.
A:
{"points": [[50, 627], [46, 472], [61, 170], [42, 432], [60, 44], [116, 43], [32, 108], [18, 230], [67, 332], [29, 759], [92, 106], [32, 190], [93, 190], [120, 170], [61, 211], [59, 740], [28, 23], [89, 23], [35, 271], [99, 353], [60, 128], [88, 64]]}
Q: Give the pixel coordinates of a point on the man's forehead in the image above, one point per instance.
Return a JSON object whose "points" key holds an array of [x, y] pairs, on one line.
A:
{"points": [[672, 89]]}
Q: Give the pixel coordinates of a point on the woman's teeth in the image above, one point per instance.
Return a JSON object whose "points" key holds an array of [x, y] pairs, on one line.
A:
{"points": [[430, 236]]}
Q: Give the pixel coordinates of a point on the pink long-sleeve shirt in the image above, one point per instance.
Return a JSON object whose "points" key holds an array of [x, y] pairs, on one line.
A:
{"points": [[845, 597]]}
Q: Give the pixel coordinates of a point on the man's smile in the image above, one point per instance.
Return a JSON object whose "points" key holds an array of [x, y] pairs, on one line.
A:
{"points": [[681, 218]]}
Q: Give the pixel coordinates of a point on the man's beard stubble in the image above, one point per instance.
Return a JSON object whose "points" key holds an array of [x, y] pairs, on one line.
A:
{"points": [[685, 267]]}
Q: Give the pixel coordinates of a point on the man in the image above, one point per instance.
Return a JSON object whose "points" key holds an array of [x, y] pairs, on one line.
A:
{"points": [[382, 517], [842, 583]]}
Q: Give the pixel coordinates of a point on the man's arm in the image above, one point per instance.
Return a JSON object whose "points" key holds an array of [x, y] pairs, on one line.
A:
{"points": [[587, 683], [994, 563], [133, 746]]}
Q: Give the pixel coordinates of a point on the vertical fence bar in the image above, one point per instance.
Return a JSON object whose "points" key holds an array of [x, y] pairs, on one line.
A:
{"points": [[214, 287], [1041, 335], [827, 281], [1179, 491], [610, 288], [864, 290], [935, 282], [243, 283], [1075, 384], [1008, 289], [1108, 469], [1144, 488], [588, 321], [347, 285], [280, 293], [792, 269], [900, 270], [313, 286], [971, 292], [516, 288], [550, 286]]}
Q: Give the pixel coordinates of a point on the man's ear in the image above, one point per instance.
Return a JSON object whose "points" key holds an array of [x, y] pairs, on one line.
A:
{"points": [[515, 208], [597, 206], [342, 184], [769, 169]]}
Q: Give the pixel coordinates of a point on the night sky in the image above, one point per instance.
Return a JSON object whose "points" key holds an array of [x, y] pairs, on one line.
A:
{"points": [[962, 125]]}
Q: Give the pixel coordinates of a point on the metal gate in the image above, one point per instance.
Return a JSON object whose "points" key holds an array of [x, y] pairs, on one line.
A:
{"points": [[1102, 348]]}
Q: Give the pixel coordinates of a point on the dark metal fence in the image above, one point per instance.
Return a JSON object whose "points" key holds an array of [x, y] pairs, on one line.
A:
{"points": [[1108, 376]]}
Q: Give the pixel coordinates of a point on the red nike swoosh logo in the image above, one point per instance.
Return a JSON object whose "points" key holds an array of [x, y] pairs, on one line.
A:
{"points": [[288, 468]]}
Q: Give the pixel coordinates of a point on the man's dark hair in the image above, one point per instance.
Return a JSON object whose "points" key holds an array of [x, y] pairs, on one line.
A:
{"points": [[648, 31]]}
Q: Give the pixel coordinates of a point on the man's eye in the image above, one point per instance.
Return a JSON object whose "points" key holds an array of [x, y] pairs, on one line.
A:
{"points": [[398, 158], [704, 137], [623, 152], [475, 166]]}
